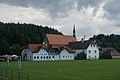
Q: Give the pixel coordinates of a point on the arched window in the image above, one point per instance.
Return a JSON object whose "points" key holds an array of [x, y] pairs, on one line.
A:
{"points": [[34, 57], [41, 57], [52, 56], [44, 57], [37, 57]]}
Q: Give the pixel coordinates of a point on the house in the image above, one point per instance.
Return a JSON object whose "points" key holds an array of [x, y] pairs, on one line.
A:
{"points": [[110, 51], [54, 47], [42, 52], [90, 48]]}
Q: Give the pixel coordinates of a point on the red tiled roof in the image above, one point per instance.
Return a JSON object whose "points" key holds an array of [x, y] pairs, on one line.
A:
{"points": [[69, 49], [54, 46], [60, 39], [70, 38], [36, 47]]}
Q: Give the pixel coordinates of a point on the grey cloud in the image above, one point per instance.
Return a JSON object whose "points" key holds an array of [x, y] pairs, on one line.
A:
{"points": [[112, 6], [112, 9], [87, 3], [56, 8]]}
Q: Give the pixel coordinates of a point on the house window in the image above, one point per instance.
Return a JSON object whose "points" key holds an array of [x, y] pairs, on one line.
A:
{"points": [[30, 57], [89, 56], [71, 56], [63, 56], [95, 51], [41, 57], [91, 45], [66, 56], [89, 51], [47, 57], [94, 45], [95, 56], [44, 57], [52, 56], [35, 57]]}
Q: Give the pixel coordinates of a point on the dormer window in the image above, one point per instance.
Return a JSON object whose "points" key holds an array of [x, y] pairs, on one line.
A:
{"points": [[91, 45]]}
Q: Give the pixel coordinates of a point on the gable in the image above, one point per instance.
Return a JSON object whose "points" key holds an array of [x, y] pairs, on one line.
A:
{"points": [[92, 46], [35, 47]]}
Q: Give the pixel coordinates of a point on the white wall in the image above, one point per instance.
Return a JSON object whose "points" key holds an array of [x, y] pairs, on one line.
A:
{"points": [[43, 55], [65, 55], [92, 52], [29, 54]]}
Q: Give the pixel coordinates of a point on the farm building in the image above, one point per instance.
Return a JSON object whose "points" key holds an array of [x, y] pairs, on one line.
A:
{"points": [[60, 47], [38, 52], [111, 52], [90, 48], [54, 47]]}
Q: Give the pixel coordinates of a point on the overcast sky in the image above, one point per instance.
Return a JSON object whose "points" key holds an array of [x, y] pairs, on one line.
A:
{"points": [[90, 17]]}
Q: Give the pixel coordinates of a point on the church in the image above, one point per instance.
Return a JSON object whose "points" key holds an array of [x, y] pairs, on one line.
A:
{"points": [[60, 47], [54, 47]]}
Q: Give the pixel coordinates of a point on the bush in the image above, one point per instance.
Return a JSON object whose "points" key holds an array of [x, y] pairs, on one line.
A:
{"points": [[105, 56], [80, 56]]}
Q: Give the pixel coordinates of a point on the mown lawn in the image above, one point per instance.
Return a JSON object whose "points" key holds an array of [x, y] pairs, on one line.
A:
{"points": [[71, 70]]}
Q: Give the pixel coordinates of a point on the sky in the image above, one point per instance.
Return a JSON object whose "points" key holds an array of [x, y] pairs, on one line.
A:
{"points": [[90, 17]]}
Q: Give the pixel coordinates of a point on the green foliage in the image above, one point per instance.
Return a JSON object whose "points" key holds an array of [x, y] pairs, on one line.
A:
{"points": [[14, 36], [15, 49], [80, 56], [108, 41], [4, 47], [105, 56]]}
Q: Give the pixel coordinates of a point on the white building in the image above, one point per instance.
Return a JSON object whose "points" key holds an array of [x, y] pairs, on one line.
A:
{"points": [[90, 48], [40, 52]]}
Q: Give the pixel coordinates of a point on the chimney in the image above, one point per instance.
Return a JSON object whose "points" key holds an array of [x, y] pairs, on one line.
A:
{"points": [[82, 40]]}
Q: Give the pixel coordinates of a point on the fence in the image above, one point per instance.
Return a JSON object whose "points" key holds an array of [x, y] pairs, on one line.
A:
{"points": [[13, 74]]}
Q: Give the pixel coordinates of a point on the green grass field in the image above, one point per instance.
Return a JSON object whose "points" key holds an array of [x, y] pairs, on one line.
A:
{"points": [[71, 70]]}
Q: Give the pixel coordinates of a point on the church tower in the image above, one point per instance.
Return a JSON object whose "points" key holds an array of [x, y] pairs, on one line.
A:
{"points": [[74, 31]]}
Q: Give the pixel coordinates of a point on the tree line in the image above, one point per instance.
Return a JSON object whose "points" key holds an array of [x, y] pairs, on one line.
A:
{"points": [[112, 40], [13, 36]]}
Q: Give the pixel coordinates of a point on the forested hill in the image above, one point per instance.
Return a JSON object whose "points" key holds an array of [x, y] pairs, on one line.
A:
{"points": [[14, 36], [111, 40]]}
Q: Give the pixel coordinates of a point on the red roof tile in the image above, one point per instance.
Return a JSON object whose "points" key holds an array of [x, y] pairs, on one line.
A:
{"points": [[36, 47], [60, 39]]}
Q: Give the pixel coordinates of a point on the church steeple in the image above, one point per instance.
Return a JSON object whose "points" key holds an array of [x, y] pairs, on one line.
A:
{"points": [[74, 31]]}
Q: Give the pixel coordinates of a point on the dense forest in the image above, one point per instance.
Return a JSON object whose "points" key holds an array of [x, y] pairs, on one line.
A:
{"points": [[111, 40], [13, 36]]}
